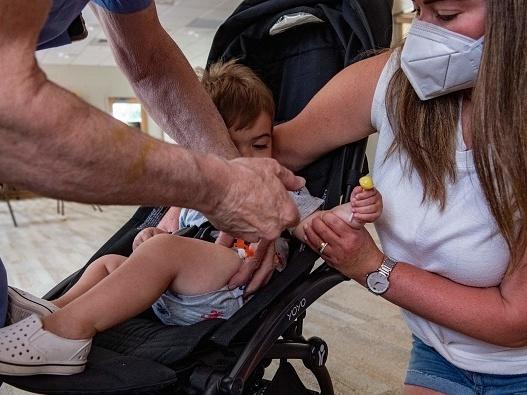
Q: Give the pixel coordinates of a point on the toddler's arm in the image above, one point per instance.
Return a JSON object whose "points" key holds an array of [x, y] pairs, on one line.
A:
{"points": [[168, 224], [225, 240], [146, 234], [365, 206]]}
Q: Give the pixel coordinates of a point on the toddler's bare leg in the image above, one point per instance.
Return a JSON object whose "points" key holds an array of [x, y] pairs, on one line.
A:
{"points": [[187, 266], [97, 271]]}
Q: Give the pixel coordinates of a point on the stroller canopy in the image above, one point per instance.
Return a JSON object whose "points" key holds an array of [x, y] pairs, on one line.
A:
{"points": [[296, 46]]}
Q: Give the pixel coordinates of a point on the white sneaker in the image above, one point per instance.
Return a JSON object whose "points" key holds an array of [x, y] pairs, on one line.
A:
{"points": [[22, 304], [28, 349]]}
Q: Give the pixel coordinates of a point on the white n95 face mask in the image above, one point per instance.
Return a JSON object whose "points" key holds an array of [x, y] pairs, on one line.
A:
{"points": [[438, 61]]}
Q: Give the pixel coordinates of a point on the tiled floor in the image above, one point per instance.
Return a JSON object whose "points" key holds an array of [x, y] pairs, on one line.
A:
{"points": [[368, 341]]}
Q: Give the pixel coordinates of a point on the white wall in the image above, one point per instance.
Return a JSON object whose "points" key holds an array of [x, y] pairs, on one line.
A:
{"points": [[402, 5], [95, 84]]}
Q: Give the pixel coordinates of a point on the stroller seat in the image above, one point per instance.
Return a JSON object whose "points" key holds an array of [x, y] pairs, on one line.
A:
{"points": [[295, 46]]}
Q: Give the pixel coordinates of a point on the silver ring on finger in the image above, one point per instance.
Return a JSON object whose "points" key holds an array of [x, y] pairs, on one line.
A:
{"points": [[323, 246]]}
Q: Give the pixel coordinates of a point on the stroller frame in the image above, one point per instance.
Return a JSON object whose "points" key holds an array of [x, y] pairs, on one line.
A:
{"points": [[264, 346]]}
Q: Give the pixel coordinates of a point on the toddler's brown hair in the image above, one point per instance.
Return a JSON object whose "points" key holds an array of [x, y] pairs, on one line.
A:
{"points": [[238, 93]]}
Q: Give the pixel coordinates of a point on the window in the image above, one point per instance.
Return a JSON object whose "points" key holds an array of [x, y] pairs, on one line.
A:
{"points": [[129, 111]]}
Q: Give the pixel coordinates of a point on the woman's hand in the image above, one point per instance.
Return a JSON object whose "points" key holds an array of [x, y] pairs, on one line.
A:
{"points": [[350, 251], [146, 234]]}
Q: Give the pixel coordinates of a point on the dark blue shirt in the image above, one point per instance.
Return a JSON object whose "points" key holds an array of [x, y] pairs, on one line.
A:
{"points": [[63, 12]]}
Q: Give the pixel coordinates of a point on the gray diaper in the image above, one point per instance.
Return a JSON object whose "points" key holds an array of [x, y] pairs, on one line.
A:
{"points": [[174, 309]]}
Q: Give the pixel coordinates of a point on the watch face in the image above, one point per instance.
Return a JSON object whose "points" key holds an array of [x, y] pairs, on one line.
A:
{"points": [[377, 283]]}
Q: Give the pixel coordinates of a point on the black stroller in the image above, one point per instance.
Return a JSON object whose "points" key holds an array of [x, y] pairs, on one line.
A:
{"points": [[296, 46]]}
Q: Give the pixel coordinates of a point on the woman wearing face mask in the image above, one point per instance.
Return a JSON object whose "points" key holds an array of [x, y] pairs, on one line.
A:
{"points": [[451, 164]]}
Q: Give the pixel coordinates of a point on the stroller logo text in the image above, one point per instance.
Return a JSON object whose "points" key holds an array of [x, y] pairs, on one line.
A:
{"points": [[296, 309]]}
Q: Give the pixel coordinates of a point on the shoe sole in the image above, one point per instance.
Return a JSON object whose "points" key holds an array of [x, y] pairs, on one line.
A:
{"points": [[21, 307], [9, 369]]}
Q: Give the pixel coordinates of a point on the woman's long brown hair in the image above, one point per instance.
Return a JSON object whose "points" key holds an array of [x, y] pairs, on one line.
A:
{"points": [[426, 130]]}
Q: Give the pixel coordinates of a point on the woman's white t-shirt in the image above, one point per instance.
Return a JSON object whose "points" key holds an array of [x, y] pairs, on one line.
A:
{"points": [[461, 243]]}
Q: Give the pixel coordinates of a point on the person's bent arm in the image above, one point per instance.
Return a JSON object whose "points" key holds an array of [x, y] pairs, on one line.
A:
{"points": [[56, 144], [164, 81], [495, 314], [339, 114]]}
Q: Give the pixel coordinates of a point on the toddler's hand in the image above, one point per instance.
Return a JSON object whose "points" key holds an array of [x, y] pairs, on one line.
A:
{"points": [[146, 234], [366, 205], [225, 240]]}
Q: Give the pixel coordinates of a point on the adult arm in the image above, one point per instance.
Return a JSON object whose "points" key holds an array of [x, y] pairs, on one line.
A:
{"points": [[495, 314], [340, 113], [56, 144], [164, 81]]}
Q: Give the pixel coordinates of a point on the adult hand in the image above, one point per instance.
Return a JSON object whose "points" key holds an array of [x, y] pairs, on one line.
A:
{"points": [[257, 270], [351, 251], [146, 234], [252, 200]]}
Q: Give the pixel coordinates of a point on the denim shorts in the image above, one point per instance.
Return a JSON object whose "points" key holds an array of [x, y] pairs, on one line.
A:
{"points": [[428, 369], [174, 309]]}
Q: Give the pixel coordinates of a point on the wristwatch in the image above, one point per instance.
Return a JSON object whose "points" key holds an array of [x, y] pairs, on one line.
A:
{"points": [[377, 281]]}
